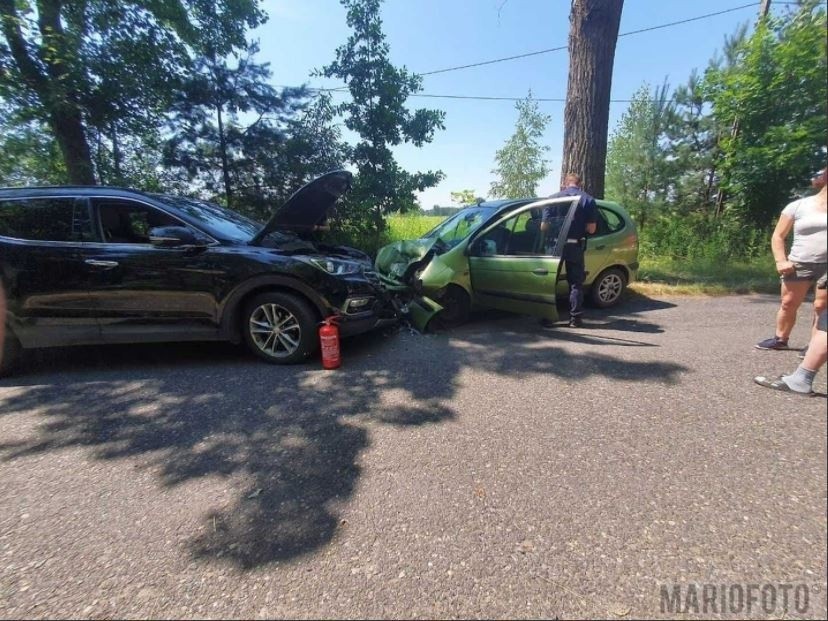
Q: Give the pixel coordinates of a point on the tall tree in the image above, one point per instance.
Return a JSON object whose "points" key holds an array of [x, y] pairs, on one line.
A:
{"points": [[694, 135], [639, 173], [777, 88], [314, 145], [102, 63], [209, 134], [377, 113], [308, 145], [593, 32], [520, 162]]}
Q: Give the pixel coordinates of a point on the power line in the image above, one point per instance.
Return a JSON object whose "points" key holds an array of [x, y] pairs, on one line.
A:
{"points": [[563, 47], [342, 91]]}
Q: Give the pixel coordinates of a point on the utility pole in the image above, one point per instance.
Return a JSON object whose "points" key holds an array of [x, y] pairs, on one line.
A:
{"points": [[764, 9]]}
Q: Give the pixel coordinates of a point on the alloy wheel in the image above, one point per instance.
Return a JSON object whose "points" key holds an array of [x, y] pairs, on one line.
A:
{"points": [[275, 330], [610, 288]]}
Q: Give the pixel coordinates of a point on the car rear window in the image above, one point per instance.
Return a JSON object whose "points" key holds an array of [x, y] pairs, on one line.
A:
{"points": [[608, 221], [45, 219]]}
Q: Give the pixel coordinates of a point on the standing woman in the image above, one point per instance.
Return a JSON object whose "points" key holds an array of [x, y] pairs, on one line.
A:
{"points": [[805, 264]]}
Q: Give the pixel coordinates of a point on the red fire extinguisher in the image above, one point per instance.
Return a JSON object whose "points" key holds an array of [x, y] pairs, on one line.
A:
{"points": [[329, 343]]}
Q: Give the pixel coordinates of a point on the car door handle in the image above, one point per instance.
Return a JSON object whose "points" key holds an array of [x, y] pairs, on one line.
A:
{"points": [[540, 271], [600, 247], [107, 265]]}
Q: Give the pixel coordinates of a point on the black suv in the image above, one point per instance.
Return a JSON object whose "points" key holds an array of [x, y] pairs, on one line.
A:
{"points": [[87, 265]]}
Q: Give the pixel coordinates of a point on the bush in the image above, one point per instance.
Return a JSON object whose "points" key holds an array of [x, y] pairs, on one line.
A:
{"points": [[699, 237]]}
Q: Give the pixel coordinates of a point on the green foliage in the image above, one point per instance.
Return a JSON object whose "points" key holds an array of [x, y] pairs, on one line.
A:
{"points": [[694, 137], [107, 69], [776, 99], [28, 153], [220, 154], [314, 146], [310, 144], [698, 236], [377, 113], [138, 162], [464, 197], [639, 173], [706, 172], [520, 163]]}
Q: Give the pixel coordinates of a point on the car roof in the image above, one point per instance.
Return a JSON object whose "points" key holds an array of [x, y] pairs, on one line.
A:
{"points": [[507, 203], [79, 190]]}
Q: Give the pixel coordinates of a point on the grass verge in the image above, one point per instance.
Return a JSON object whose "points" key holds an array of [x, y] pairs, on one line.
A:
{"points": [[705, 277]]}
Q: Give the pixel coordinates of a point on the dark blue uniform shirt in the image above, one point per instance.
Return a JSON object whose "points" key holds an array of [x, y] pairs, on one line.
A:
{"points": [[585, 212]]}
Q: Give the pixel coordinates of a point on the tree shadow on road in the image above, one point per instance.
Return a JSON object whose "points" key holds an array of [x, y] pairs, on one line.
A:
{"points": [[292, 434]]}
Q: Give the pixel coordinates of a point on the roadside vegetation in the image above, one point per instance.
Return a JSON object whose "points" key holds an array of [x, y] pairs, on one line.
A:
{"points": [[704, 168]]}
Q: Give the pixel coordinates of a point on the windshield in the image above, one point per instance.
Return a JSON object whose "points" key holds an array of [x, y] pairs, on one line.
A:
{"points": [[458, 227], [218, 221]]}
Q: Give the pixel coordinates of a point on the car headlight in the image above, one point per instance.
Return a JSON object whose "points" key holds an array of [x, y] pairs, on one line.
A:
{"points": [[335, 266]]}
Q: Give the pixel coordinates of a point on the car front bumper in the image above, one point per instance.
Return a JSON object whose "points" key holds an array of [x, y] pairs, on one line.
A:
{"points": [[411, 301], [382, 313], [368, 306]]}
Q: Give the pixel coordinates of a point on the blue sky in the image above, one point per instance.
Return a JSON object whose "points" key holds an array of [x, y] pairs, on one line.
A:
{"points": [[426, 35]]}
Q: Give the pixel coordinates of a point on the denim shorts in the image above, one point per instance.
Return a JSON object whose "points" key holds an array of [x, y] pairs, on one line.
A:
{"points": [[810, 272]]}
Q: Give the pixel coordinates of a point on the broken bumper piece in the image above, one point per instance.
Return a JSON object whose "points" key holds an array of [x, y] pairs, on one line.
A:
{"points": [[420, 311]]}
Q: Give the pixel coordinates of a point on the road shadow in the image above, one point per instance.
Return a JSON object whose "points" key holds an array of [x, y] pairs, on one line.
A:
{"points": [[628, 316], [292, 434], [195, 410]]}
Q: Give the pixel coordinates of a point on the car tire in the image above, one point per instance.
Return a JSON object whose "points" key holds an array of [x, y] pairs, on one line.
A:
{"points": [[11, 354], [456, 306], [294, 337], [608, 288]]}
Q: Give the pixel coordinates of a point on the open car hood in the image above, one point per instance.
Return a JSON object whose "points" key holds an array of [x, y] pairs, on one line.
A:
{"points": [[307, 206]]}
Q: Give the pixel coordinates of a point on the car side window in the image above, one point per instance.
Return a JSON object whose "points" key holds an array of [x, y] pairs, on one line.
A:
{"points": [[555, 216], [519, 235], [129, 222], [46, 219], [525, 238], [608, 222]]}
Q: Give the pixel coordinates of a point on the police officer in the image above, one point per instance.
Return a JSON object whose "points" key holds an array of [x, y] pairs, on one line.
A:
{"points": [[584, 222]]}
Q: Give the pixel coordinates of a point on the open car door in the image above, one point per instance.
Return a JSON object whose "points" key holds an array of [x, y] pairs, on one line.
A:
{"points": [[514, 266]]}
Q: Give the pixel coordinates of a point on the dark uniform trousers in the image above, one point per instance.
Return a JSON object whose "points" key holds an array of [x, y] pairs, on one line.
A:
{"points": [[573, 256]]}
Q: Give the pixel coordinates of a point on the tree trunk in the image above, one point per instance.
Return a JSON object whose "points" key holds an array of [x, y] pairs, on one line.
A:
{"points": [[593, 32], [225, 166], [66, 122], [116, 157]]}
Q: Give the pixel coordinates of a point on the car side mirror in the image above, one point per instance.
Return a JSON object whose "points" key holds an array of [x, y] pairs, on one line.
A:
{"points": [[175, 237]]}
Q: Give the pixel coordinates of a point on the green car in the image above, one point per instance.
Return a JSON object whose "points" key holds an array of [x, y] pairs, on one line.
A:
{"points": [[494, 255]]}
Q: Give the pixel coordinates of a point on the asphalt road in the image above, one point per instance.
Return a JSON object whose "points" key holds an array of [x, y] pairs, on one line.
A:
{"points": [[499, 470]]}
